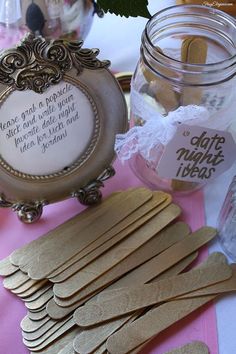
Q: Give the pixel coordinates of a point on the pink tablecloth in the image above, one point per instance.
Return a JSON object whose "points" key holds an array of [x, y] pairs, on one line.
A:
{"points": [[200, 326]]}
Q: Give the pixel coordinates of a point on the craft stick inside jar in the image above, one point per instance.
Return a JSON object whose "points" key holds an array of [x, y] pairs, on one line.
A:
{"points": [[163, 90], [193, 51]]}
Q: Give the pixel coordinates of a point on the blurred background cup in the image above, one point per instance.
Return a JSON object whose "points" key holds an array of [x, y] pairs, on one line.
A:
{"points": [[70, 19]]}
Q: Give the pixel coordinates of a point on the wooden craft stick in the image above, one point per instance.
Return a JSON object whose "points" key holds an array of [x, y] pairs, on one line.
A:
{"points": [[40, 301], [195, 347], [26, 255], [169, 257], [15, 280], [29, 287], [101, 350], [193, 51], [225, 286], [111, 238], [37, 316], [68, 326], [28, 325], [91, 338], [163, 89], [135, 298], [26, 251], [190, 348], [157, 244], [153, 267], [7, 268], [47, 328], [68, 349], [59, 343], [56, 311], [37, 293], [147, 326], [105, 262], [51, 256]]}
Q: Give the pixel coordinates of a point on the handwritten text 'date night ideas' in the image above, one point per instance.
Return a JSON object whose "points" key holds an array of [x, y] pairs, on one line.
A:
{"points": [[197, 154]]}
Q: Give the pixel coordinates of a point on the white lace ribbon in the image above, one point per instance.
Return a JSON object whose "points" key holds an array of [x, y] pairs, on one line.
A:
{"points": [[157, 130]]}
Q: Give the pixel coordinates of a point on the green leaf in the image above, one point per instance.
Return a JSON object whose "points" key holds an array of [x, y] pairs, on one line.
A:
{"points": [[126, 8]]}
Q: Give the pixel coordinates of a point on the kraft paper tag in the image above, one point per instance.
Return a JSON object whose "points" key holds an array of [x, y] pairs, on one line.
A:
{"points": [[197, 154]]}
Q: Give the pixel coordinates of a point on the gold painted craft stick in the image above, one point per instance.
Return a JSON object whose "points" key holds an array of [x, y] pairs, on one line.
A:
{"points": [[114, 256], [91, 338], [28, 325], [170, 257], [153, 267], [37, 316], [68, 349], [147, 326], [68, 326], [7, 268], [59, 343], [163, 89], [101, 350], [157, 244], [195, 347], [59, 327], [225, 286], [29, 287], [111, 238], [20, 256], [41, 301], [47, 261], [37, 293], [214, 258], [132, 299], [163, 240], [43, 331], [56, 311], [193, 51], [15, 280]]}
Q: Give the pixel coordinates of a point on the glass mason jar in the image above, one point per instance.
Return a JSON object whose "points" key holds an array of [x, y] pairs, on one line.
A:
{"points": [[188, 57]]}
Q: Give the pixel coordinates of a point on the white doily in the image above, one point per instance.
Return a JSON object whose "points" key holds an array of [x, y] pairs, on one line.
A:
{"points": [[157, 131]]}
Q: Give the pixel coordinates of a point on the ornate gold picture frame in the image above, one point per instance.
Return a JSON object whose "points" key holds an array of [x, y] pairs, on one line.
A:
{"points": [[60, 109]]}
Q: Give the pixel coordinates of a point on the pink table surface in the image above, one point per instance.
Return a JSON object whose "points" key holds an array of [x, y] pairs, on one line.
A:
{"points": [[201, 325]]}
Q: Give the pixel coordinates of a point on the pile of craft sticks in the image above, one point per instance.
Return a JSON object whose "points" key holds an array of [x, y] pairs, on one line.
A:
{"points": [[108, 280]]}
